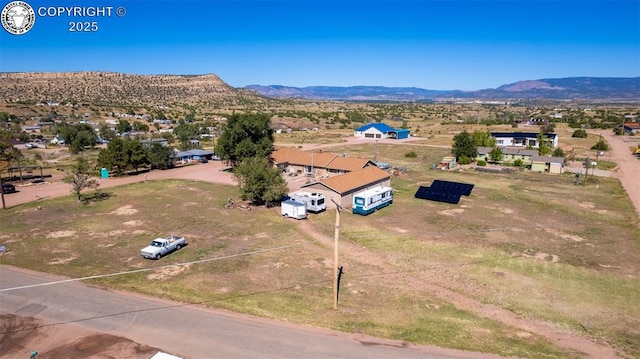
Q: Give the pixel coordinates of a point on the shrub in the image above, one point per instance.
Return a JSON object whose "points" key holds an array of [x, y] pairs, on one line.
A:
{"points": [[579, 133], [600, 146], [558, 152], [518, 162], [411, 154], [464, 160], [482, 163]]}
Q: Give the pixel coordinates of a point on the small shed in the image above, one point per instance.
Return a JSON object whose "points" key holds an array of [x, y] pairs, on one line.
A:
{"points": [[547, 164], [447, 163]]}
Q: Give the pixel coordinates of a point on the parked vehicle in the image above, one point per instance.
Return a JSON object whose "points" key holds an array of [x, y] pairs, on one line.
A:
{"points": [[162, 246], [314, 201], [371, 200], [293, 209], [8, 188]]}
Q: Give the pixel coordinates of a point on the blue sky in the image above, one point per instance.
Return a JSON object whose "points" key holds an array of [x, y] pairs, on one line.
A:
{"points": [[441, 45]]}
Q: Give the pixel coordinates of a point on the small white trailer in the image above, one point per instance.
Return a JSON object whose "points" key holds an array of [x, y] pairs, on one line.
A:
{"points": [[372, 200], [293, 209], [314, 201]]}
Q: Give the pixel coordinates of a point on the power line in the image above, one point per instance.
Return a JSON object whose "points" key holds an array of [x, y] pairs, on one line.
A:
{"points": [[156, 268]]}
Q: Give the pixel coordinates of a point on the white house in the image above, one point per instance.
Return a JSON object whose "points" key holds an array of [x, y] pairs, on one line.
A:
{"points": [[378, 130], [373, 130], [57, 141], [523, 139]]}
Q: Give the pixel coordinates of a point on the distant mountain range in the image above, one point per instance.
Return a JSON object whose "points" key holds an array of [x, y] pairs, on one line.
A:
{"points": [[210, 90], [570, 88]]}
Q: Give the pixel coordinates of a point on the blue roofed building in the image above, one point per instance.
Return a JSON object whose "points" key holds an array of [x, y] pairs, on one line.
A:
{"points": [[379, 130]]}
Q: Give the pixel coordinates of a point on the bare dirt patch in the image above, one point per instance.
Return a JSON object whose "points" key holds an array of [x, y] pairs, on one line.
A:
{"points": [[61, 234], [165, 273], [63, 260], [125, 211], [451, 212], [19, 336], [566, 236]]}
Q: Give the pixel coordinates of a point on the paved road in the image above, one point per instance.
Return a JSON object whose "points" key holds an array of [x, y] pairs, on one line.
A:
{"points": [[189, 330]]}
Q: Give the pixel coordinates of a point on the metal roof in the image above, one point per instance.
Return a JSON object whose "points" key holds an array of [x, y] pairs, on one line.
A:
{"points": [[382, 127]]}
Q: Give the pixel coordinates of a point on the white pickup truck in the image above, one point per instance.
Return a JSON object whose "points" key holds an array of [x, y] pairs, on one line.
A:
{"points": [[161, 246]]}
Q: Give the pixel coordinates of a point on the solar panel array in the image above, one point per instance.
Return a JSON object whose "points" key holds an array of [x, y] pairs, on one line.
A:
{"points": [[444, 191], [454, 187], [433, 195]]}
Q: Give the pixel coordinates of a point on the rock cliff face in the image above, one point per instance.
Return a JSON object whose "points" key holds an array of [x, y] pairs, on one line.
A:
{"points": [[115, 88]]}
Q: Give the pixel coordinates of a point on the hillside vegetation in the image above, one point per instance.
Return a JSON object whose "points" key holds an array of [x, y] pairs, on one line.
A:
{"points": [[117, 88]]}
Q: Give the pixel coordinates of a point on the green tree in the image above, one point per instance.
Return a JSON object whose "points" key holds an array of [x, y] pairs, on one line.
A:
{"points": [[580, 133], [463, 146], [139, 126], [601, 145], [106, 132], [136, 155], [483, 138], [77, 136], [185, 132], [123, 126], [81, 177], [81, 140], [496, 154], [159, 156], [259, 181], [245, 136], [543, 145], [114, 157]]}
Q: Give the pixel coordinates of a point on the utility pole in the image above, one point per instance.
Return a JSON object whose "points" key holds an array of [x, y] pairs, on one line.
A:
{"points": [[4, 206], [375, 155], [335, 255]]}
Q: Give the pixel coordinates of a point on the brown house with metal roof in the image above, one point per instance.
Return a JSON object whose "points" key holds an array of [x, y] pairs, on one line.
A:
{"points": [[316, 163], [342, 187]]}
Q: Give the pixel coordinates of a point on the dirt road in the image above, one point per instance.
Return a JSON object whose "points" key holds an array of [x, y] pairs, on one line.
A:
{"points": [[210, 172], [628, 166]]}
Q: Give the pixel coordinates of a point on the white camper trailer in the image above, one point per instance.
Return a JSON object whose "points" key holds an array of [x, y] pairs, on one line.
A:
{"points": [[314, 201], [293, 209], [372, 200]]}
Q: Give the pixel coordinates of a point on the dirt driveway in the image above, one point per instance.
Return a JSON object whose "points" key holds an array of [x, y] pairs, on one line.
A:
{"points": [[209, 172], [628, 169]]}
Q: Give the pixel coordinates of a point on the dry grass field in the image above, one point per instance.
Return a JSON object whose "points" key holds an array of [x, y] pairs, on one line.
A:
{"points": [[525, 257], [530, 265]]}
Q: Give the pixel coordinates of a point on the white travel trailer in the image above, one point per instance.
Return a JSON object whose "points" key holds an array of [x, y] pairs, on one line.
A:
{"points": [[314, 201], [372, 200], [293, 209]]}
